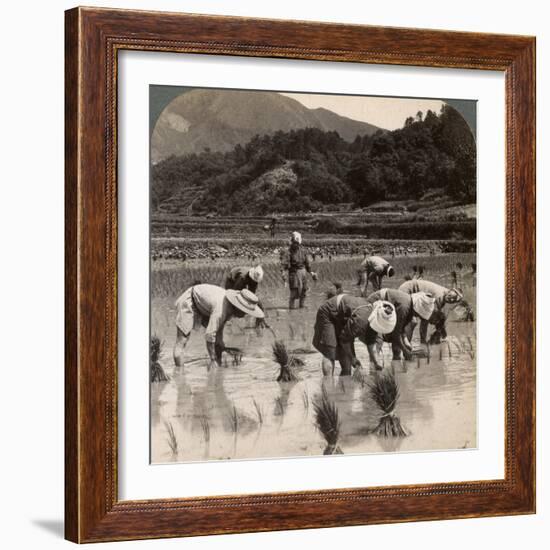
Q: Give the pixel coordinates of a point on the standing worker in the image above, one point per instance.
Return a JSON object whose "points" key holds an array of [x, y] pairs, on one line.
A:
{"points": [[210, 306], [298, 265], [374, 269], [273, 227]]}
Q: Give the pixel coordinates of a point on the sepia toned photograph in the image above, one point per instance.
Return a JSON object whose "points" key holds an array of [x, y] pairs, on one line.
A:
{"points": [[312, 274]]}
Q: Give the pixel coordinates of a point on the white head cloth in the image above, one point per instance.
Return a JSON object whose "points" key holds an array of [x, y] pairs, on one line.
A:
{"points": [[256, 273], [423, 304], [379, 320]]}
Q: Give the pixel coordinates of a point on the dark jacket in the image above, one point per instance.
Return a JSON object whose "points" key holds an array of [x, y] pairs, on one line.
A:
{"points": [[238, 279], [402, 303], [332, 325], [297, 259]]}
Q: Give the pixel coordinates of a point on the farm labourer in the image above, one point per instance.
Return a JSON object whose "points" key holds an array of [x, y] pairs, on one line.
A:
{"points": [[374, 269], [210, 306], [442, 296], [342, 319], [407, 306], [244, 277], [298, 265], [249, 278], [273, 227]]}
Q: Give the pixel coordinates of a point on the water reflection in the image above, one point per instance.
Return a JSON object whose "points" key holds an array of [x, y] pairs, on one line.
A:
{"points": [[242, 412]]}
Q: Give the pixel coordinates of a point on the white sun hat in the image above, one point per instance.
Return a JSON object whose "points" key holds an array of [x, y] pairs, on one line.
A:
{"points": [[246, 301], [256, 273]]}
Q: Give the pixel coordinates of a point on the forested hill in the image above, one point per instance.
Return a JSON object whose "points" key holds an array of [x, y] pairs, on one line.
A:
{"points": [[310, 170]]}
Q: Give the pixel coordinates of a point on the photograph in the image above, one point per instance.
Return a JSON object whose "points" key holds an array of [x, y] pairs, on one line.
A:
{"points": [[312, 274]]}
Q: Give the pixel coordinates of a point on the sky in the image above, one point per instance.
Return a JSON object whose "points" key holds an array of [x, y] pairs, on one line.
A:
{"points": [[385, 112]]}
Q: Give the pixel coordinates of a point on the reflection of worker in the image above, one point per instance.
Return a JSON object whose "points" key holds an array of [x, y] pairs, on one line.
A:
{"points": [[442, 297], [210, 306], [406, 306], [298, 265], [342, 319], [374, 269]]}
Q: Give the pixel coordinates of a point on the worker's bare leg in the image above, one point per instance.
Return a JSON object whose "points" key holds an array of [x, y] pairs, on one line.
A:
{"points": [[328, 366], [364, 284], [345, 357], [179, 347], [396, 350], [409, 329], [302, 300], [293, 298]]}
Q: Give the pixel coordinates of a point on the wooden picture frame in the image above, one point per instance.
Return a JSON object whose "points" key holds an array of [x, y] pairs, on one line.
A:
{"points": [[93, 511]]}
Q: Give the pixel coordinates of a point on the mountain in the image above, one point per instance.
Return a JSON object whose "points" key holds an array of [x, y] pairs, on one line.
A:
{"points": [[220, 119]]}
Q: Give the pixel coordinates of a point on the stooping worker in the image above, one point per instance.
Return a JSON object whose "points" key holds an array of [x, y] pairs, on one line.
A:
{"points": [[406, 306], [343, 318], [298, 264], [244, 277], [374, 269], [240, 278], [442, 297], [210, 306]]}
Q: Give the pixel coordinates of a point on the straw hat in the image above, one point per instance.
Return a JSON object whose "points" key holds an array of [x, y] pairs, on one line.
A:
{"points": [[256, 273], [246, 301]]}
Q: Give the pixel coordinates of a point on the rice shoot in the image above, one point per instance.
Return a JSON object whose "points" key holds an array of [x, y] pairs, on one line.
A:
{"points": [[236, 355], [205, 425], [233, 417], [305, 401], [172, 440], [259, 412]]}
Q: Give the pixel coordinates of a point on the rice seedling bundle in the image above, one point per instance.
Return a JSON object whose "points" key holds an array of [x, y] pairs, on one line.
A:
{"points": [[286, 361], [328, 422], [157, 372], [385, 393]]}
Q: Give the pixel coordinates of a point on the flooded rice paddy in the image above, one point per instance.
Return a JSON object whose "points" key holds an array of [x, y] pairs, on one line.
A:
{"points": [[239, 411]]}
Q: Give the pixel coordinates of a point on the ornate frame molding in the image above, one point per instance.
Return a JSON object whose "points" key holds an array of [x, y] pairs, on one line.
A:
{"points": [[93, 39]]}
